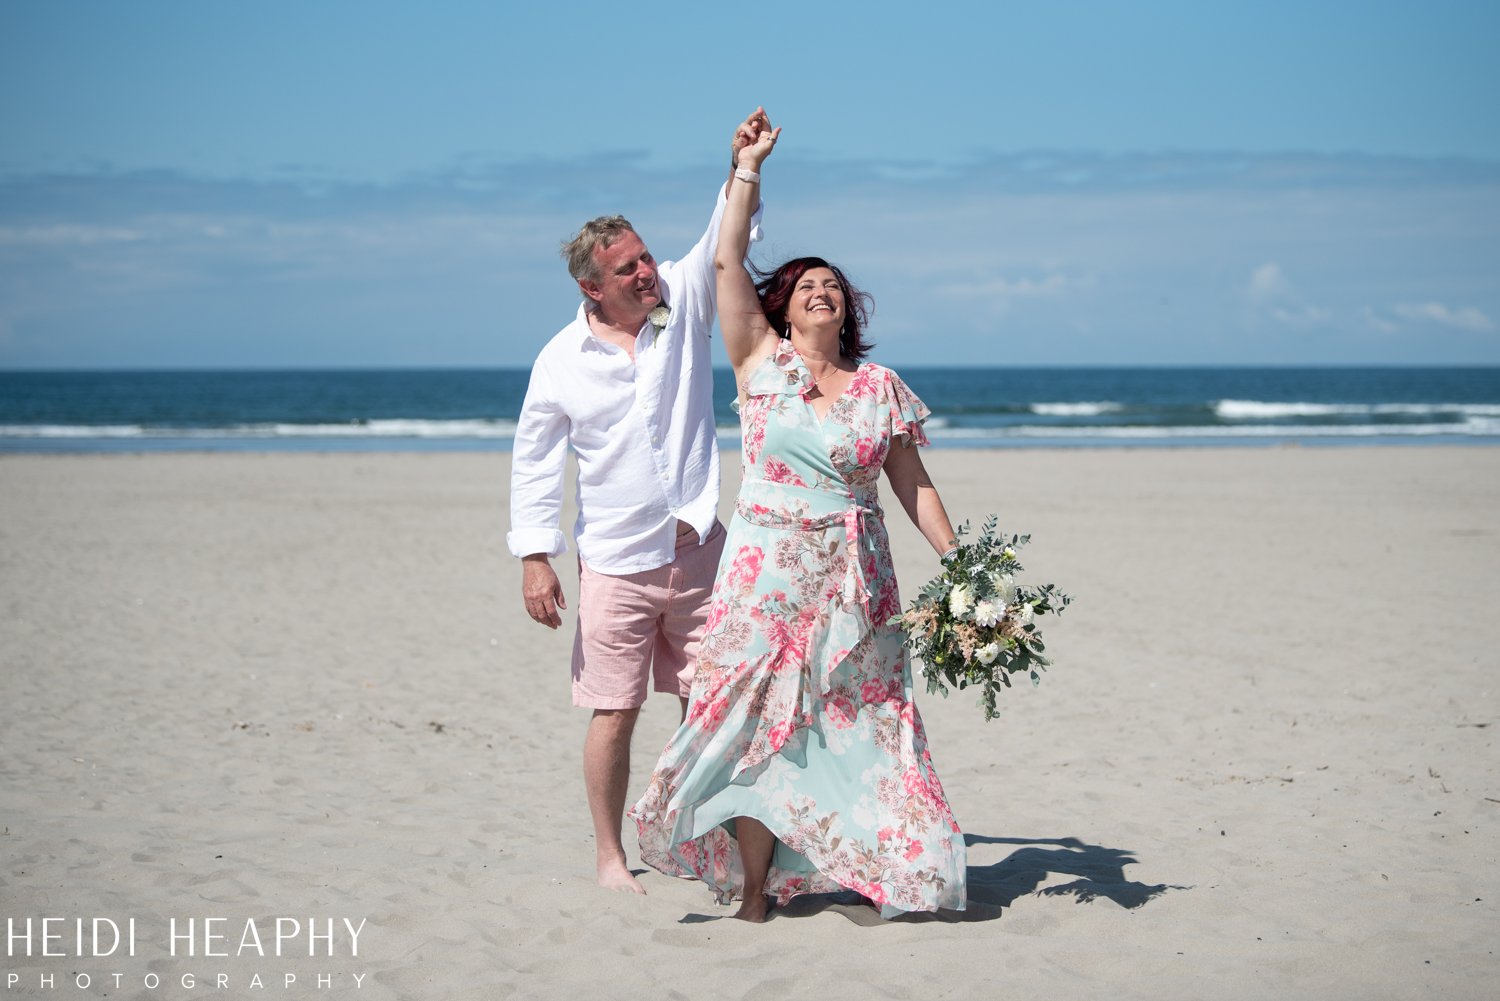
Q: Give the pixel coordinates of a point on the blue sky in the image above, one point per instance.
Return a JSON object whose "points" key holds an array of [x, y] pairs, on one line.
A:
{"points": [[306, 184]]}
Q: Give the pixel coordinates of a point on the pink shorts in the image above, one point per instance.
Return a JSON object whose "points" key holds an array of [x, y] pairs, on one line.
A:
{"points": [[634, 627]]}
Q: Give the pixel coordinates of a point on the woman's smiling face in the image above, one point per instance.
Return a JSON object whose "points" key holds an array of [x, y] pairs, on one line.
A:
{"points": [[817, 301]]}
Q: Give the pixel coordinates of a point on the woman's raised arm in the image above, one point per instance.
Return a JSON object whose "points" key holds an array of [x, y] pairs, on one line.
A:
{"points": [[747, 335]]}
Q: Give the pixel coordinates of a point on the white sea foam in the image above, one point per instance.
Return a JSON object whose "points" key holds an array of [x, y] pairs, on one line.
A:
{"points": [[1477, 420], [1082, 409], [1473, 427], [394, 428], [71, 431], [1254, 410], [397, 428]]}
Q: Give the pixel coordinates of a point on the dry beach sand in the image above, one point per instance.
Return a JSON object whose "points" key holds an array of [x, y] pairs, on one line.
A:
{"points": [[296, 687]]}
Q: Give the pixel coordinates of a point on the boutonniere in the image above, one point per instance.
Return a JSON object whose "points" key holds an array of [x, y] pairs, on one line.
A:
{"points": [[658, 318]]}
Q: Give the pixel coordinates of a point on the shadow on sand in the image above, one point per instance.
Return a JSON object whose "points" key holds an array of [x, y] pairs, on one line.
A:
{"points": [[1099, 872]]}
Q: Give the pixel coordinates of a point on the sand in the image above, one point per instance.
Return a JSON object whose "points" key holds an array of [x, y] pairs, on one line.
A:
{"points": [[301, 688]]}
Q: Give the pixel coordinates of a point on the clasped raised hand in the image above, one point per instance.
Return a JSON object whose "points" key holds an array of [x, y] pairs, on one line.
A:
{"points": [[753, 134]]}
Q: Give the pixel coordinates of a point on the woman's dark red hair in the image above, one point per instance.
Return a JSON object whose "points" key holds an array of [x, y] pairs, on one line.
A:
{"points": [[775, 291]]}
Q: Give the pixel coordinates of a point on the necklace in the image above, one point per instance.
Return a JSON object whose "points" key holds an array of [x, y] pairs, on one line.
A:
{"points": [[816, 377]]}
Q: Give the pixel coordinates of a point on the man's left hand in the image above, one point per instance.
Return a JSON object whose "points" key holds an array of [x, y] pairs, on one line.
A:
{"points": [[747, 132]]}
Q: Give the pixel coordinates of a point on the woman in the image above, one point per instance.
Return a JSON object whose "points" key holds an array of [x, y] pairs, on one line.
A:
{"points": [[802, 765]]}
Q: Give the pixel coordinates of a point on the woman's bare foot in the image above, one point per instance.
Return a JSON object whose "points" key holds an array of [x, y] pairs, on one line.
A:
{"points": [[754, 908], [615, 875]]}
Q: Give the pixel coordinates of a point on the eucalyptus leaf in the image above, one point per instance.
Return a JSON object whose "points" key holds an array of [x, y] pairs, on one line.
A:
{"points": [[986, 566]]}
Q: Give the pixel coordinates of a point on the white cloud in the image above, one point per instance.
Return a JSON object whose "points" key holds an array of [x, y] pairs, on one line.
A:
{"points": [[1163, 260], [66, 235], [1464, 318], [1303, 316], [1268, 284], [1378, 322], [1005, 289], [994, 297], [1270, 290]]}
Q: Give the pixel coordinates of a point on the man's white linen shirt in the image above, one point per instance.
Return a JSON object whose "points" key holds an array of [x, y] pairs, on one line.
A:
{"points": [[643, 431]]}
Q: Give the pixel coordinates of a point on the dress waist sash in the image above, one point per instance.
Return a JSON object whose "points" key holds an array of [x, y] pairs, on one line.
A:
{"points": [[855, 591]]}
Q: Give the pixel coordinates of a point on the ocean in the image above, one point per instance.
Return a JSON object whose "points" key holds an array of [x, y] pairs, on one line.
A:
{"points": [[476, 409]]}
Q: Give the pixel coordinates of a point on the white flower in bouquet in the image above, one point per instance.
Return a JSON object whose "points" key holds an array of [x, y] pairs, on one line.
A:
{"points": [[1005, 588], [988, 612], [960, 600], [659, 317], [973, 625]]}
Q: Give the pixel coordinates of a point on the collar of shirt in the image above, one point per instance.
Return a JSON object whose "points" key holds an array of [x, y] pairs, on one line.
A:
{"points": [[645, 337]]}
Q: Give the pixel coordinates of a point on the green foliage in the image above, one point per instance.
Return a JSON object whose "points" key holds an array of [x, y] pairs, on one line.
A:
{"points": [[974, 624]]}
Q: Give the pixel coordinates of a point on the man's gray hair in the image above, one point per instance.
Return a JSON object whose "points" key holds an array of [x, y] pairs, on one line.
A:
{"points": [[596, 233]]}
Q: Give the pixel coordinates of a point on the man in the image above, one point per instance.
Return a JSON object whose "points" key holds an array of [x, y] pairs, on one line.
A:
{"points": [[629, 386]]}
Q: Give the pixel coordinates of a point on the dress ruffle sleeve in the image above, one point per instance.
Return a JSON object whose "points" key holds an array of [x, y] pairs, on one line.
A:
{"points": [[782, 373], [907, 412]]}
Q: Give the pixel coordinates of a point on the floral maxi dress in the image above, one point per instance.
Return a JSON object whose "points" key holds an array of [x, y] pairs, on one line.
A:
{"points": [[802, 714]]}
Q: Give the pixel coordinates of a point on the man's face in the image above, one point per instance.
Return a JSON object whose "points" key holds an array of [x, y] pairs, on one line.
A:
{"points": [[627, 284]]}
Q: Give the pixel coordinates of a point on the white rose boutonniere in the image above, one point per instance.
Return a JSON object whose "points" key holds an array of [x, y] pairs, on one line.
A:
{"points": [[658, 318]]}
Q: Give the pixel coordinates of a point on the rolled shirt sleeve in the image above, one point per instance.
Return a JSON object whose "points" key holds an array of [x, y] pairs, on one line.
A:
{"points": [[538, 465], [697, 265]]}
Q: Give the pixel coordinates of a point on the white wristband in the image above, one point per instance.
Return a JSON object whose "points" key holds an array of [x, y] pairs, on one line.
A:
{"points": [[746, 174]]}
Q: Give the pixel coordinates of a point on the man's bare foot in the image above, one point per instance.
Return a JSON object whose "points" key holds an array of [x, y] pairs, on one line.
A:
{"points": [[754, 909], [615, 875]]}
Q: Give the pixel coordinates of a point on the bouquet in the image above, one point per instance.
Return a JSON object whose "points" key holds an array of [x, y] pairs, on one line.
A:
{"points": [[974, 625]]}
